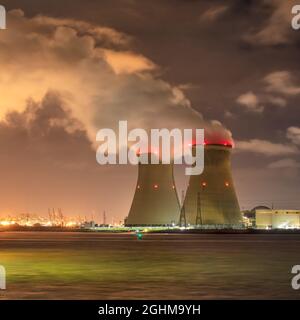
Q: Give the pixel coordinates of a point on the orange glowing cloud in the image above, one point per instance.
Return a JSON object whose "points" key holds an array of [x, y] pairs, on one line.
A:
{"points": [[95, 72]]}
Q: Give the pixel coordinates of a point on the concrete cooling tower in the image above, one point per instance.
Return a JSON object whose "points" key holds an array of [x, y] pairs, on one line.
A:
{"points": [[155, 201], [210, 197]]}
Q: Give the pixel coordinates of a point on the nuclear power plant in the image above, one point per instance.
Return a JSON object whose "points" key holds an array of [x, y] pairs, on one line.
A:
{"points": [[210, 198], [155, 201]]}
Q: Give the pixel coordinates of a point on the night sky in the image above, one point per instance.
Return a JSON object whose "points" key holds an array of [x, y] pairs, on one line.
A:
{"points": [[70, 68]]}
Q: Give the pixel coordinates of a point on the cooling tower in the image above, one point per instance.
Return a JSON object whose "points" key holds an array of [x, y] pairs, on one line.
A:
{"points": [[210, 197], [155, 200]]}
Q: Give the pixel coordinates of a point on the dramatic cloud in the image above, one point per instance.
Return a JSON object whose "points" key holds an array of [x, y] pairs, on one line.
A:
{"points": [[97, 74], [265, 147], [276, 30]]}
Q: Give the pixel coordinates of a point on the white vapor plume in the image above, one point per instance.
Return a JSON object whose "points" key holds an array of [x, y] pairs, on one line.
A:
{"points": [[95, 72]]}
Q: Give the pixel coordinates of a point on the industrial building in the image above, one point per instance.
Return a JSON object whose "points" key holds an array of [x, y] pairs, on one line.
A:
{"points": [[249, 216], [277, 219], [210, 198], [155, 201]]}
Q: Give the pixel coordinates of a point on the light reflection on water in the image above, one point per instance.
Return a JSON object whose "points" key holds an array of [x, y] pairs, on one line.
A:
{"points": [[160, 266]]}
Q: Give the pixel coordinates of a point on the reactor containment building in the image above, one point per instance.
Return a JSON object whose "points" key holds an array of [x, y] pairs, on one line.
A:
{"points": [[155, 201], [211, 198]]}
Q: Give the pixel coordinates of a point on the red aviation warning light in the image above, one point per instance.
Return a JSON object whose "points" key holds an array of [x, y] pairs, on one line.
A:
{"points": [[224, 143]]}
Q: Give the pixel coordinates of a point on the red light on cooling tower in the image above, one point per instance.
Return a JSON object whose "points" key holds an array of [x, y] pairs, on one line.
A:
{"points": [[138, 187], [223, 143], [227, 184], [155, 186], [228, 144], [204, 184]]}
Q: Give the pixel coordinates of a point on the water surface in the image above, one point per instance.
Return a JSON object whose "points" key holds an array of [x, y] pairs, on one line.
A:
{"points": [[50, 265]]}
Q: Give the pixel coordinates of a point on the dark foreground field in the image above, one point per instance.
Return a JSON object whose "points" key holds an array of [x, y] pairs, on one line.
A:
{"points": [[50, 265]]}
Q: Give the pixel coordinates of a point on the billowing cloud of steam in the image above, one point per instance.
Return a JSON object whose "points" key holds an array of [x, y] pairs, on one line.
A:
{"points": [[96, 74]]}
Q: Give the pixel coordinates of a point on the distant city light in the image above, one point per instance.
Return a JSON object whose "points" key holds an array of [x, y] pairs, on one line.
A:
{"points": [[32, 220]]}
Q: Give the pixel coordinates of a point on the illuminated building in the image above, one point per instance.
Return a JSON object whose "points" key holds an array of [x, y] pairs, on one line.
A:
{"points": [[277, 219]]}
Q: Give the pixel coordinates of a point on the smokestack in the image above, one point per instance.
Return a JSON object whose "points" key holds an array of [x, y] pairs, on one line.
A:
{"points": [[211, 197], [155, 200]]}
